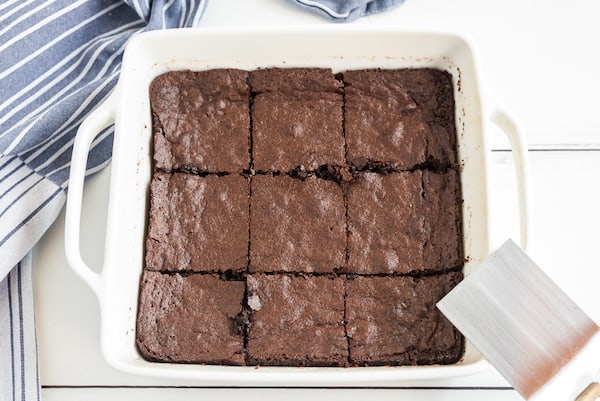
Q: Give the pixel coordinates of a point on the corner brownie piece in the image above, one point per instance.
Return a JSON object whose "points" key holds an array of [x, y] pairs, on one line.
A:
{"points": [[201, 120], [394, 321], [404, 223], [190, 319], [198, 223], [296, 225], [400, 117], [296, 320], [296, 119]]}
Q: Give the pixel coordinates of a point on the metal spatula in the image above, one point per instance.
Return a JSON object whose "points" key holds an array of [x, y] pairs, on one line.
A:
{"points": [[528, 328]]}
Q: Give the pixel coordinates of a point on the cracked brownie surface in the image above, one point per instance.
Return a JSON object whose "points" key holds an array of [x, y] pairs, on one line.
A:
{"points": [[297, 225], [296, 320], [201, 120], [189, 319], [198, 223], [394, 320]]}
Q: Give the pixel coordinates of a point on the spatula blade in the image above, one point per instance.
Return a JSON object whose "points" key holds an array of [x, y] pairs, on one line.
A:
{"points": [[518, 318]]}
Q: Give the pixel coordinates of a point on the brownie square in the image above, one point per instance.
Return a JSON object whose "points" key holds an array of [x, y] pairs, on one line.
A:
{"points": [[201, 120], [404, 223], [296, 225], [296, 119], [400, 117], [198, 223], [394, 321], [190, 319], [291, 325]]}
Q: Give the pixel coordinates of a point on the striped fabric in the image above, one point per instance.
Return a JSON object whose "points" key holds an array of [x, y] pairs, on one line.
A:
{"points": [[347, 10], [19, 379]]}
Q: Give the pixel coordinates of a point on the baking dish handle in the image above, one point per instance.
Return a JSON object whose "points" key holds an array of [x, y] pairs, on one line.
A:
{"points": [[511, 127], [99, 119]]}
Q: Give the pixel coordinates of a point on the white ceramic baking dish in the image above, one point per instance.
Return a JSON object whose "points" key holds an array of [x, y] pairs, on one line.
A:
{"points": [[338, 47]]}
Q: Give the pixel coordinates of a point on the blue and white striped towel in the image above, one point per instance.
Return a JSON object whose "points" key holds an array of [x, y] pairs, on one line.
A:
{"points": [[58, 60], [346, 11]]}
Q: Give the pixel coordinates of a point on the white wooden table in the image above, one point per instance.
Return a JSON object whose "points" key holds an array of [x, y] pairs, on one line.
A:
{"points": [[539, 57]]}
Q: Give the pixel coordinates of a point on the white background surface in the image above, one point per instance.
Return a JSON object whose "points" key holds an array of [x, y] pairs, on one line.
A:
{"points": [[540, 59]]}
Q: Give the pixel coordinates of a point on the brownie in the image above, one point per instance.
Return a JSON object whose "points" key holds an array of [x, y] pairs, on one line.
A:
{"points": [[296, 320], [201, 120], [298, 220], [190, 319], [296, 119], [404, 222], [401, 117], [198, 223], [296, 225], [394, 321]]}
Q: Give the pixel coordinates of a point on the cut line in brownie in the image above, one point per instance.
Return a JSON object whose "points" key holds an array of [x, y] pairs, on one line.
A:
{"points": [[190, 319], [296, 225], [296, 320], [296, 119], [198, 223], [333, 172], [201, 120], [404, 118], [404, 223], [395, 321]]}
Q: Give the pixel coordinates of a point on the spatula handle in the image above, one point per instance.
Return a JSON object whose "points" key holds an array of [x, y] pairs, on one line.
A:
{"points": [[590, 393]]}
